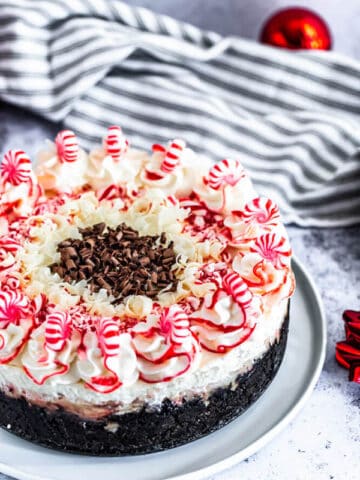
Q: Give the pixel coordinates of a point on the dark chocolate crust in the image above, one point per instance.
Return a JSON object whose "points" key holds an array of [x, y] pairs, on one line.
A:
{"points": [[144, 431]]}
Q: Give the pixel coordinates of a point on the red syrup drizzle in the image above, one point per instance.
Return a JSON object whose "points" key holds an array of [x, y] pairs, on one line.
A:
{"points": [[203, 223], [348, 351]]}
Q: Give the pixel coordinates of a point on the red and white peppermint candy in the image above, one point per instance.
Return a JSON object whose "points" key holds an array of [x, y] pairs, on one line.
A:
{"points": [[172, 200], [39, 305], [15, 168], [108, 332], [67, 146], [195, 206], [7, 260], [235, 286], [58, 329], [174, 324], [39, 302], [11, 283], [261, 210], [9, 244], [272, 247], [226, 172], [14, 306], [115, 143], [173, 156]]}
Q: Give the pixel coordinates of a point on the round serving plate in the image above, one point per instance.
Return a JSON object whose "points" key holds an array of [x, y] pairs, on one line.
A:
{"points": [[284, 398]]}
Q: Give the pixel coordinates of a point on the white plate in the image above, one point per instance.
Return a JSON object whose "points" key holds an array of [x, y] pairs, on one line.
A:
{"points": [[288, 392]]}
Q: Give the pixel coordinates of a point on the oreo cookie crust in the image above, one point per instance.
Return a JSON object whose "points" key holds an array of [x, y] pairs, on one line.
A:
{"points": [[145, 431]]}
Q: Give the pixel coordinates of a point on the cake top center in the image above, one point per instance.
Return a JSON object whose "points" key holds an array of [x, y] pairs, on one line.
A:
{"points": [[118, 260]]}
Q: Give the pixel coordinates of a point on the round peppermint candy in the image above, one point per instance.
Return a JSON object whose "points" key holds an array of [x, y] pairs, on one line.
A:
{"points": [[15, 168]]}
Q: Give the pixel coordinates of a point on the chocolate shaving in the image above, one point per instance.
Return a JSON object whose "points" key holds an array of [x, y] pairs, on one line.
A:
{"points": [[118, 260]]}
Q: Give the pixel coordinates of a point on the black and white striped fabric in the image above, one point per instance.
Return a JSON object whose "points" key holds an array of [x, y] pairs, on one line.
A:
{"points": [[292, 119]]}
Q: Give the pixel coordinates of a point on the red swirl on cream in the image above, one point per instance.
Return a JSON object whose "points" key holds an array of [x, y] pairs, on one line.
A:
{"points": [[258, 216], [15, 168], [226, 172], [263, 277], [106, 357], [108, 336], [16, 322], [204, 223], [115, 143], [112, 192], [227, 317], [67, 146], [165, 346], [41, 361]]}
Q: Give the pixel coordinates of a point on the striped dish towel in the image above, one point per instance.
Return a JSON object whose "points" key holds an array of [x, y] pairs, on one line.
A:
{"points": [[292, 119]]}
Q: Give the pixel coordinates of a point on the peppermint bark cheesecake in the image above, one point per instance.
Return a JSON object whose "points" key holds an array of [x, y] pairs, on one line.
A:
{"points": [[144, 296]]}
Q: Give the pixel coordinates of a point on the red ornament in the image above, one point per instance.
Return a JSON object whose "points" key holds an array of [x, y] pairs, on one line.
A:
{"points": [[348, 352], [296, 28]]}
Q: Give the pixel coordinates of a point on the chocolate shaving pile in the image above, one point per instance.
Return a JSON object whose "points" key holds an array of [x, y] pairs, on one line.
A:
{"points": [[119, 261]]}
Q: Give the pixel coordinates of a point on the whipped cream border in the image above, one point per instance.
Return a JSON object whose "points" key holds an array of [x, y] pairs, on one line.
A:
{"points": [[212, 372]]}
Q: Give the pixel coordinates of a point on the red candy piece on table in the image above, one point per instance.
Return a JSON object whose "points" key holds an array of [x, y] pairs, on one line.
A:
{"points": [[296, 28], [354, 373], [351, 316], [346, 354], [353, 334], [352, 326]]}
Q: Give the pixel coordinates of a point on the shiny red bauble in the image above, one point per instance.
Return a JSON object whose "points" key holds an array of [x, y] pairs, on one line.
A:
{"points": [[296, 28]]}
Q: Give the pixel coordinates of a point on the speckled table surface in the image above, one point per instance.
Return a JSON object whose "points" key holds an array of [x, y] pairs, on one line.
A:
{"points": [[323, 442]]}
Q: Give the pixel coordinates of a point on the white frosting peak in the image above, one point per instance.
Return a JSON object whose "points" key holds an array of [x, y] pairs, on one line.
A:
{"points": [[54, 175]]}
